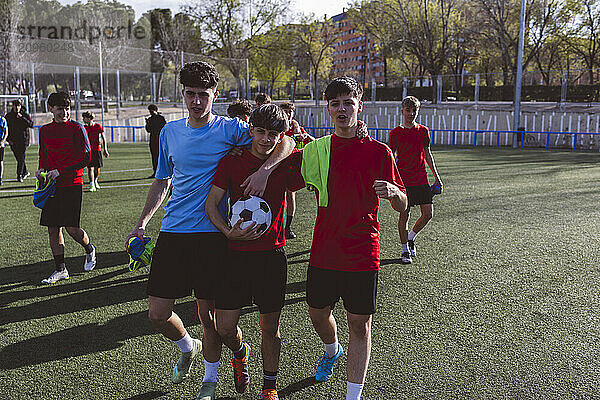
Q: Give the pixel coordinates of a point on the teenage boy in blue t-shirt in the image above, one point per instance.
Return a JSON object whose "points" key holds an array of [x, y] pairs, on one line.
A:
{"points": [[189, 248]]}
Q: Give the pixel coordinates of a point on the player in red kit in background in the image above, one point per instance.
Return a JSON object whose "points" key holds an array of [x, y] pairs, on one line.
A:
{"points": [[64, 152]]}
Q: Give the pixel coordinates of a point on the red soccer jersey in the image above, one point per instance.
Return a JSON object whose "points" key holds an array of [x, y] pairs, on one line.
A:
{"points": [[94, 132], [409, 144], [64, 147], [233, 171], [291, 132], [346, 236]]}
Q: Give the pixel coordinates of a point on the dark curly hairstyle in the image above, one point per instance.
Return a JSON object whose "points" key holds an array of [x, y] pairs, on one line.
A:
{"points": [[411, 102], [59, 99], [270, 117], [199, 74], [239, 108], [342, 86], [288, 105], [262, 98]]}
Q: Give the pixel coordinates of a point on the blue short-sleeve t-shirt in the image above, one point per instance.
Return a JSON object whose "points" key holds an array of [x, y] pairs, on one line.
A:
{"points": [[190, 156]]}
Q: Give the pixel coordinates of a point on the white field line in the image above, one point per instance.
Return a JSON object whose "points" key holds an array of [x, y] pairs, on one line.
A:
{"points": [[30, 191]]}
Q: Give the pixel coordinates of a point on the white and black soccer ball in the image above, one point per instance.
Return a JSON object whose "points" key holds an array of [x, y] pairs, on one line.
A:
{"points": [[251, 209]]}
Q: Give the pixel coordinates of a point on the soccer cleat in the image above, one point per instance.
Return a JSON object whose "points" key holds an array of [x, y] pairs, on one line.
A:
{"points": [[325, 366], [406, 259], [96, 184], [182, 367], [19, 179], [1, 183], [26, 175], [289, 234], [207, 391], [92, 187], [241, 377], [411, 248], [269, 394], [90, 260], [57, 276]]}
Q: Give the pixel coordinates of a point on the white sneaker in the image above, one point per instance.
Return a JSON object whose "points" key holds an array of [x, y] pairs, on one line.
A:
{"points": [[90, 260], [57, 276], [412, 248], [96, 184], [405, 258]]}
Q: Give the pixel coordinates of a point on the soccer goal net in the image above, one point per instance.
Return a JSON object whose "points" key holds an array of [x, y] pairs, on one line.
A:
{"points": [[7, 99]]}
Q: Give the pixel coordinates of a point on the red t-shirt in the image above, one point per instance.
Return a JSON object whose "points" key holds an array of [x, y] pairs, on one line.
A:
{"points": [[64, 147], [409, 144], [94, 132], [346, 236], [233, 171]]}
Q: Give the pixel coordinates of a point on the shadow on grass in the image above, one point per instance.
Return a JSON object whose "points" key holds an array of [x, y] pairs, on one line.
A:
{"points": [[297, 386], [153, 394], [33, 273], [76, 341], [16, 195]]}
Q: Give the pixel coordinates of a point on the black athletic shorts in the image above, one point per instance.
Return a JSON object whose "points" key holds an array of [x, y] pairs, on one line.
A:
{"points": [[1, 153], [358, 289], [183, 262], [257, 277], [64, 209], [96, 160], [419, 195]]}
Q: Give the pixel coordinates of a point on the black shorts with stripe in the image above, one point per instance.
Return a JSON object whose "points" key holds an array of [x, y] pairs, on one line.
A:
{"points": [[419, 195], [257, 277], [64, 208], [186, 263], [358, 289], [96, 159]]}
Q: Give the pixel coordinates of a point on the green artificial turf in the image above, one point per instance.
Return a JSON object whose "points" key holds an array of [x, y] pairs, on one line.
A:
{"points": [[501, 301]]}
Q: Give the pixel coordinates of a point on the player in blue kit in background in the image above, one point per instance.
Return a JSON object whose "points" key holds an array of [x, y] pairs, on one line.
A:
{"points": [[190, 249]]}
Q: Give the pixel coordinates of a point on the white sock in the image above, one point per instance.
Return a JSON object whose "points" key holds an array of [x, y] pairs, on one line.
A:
{"points": [[186, 343], [210, 371], [412, 235], [354, 390], [405, 247], [331, 349]]}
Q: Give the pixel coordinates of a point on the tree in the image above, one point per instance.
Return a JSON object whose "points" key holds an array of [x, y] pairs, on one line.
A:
{"points": [[582, 34], [315, 39], [271, 55], [229, 33]]}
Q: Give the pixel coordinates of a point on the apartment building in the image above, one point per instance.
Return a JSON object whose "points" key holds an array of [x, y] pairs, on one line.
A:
{"points": [[354, 53]]}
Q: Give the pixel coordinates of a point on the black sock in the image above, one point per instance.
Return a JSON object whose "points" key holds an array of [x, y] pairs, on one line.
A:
{"points": [[59, 262], [269, 380], [241, 353], [288, 222], [88, 248]]}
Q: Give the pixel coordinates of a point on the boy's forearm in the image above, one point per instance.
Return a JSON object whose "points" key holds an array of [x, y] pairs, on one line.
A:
{"points": [[156, 195], [399, 202], [281, 152]]}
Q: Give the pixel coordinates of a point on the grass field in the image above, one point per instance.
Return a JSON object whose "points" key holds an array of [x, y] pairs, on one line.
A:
{"points": [[501, 302]]}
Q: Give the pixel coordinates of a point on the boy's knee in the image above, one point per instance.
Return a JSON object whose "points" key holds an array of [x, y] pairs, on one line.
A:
{"points": [[158, 316]]}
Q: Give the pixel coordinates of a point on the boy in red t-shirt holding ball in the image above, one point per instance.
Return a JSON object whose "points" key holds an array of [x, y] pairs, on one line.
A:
{"points": [[410, 142], [98, 147]]}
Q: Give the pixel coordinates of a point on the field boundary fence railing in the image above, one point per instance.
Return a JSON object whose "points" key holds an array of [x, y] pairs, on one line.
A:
{"points": [[487, 138], [443, 137]]}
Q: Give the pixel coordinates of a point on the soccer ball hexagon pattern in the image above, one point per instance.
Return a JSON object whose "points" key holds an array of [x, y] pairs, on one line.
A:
{"points": [[251, 209]]}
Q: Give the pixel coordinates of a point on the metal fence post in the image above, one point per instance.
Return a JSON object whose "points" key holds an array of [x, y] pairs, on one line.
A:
{"points": [[404, 87], [563, 89], [77, 93], [477, 81], [32, 89], [118, 82]]}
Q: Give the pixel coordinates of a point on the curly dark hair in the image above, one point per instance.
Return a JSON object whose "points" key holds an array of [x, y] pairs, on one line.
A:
{"points": [[199, 74], [288, 105], [270, 117], [59, 99], [239, 108], [343, 85], [262, 98], [88, 114], [411, 102]]}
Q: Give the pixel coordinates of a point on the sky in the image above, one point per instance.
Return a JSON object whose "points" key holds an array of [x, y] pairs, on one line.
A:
{"points": [[318, 7]]}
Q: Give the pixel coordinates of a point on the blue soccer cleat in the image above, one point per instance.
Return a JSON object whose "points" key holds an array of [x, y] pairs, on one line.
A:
{"points": [[325, 366], [140, 252], [436, 189], [43, 191]]}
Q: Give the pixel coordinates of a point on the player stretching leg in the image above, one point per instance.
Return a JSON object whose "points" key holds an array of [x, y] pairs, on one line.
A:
{"points": [[344, 258], [64, 152], [190, 249], [256, 264], [410, 141]]}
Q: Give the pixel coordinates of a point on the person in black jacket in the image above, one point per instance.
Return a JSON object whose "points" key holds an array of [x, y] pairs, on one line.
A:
{"points": [[19, 123], [154, 124]]}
